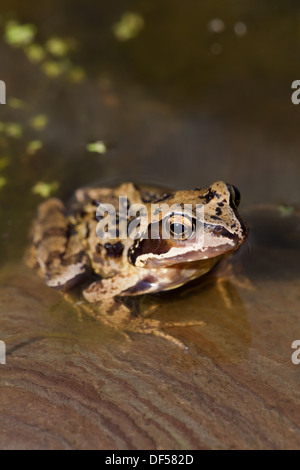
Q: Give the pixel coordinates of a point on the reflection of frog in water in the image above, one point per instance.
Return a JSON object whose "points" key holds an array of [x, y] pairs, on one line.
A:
{"points": [[67, 250]]}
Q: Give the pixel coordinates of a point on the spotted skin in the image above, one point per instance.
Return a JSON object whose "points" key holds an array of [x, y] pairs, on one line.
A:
{"points": [[68, 250]]}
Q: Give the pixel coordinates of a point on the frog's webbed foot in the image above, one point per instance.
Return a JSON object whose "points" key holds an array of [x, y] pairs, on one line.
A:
{"points": [[234, 274], [123, 314], [156, 328]]}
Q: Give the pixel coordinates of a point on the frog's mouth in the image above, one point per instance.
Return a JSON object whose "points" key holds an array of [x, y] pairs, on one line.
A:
{"points": [[160, 260], [157, 253]]}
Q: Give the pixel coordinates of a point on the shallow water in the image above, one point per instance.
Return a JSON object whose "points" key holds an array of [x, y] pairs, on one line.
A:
{"points": [[88, 385], [172, 112]]}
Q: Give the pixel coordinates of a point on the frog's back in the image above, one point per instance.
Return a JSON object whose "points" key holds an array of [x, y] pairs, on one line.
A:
{"points": [[109, 255]]}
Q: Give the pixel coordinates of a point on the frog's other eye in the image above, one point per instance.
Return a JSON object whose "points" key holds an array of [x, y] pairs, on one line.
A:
{"points": [[235, 196], [178, 227]]}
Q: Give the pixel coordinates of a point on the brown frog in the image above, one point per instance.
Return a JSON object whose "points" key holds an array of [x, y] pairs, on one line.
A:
{"points": [[68, 250]]}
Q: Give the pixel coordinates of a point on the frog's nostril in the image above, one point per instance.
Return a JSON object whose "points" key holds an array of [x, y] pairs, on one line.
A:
{"points": [[220, 231]]}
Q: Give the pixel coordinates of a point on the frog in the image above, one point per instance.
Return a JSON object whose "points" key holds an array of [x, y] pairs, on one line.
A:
{"points": [[68, 250]]}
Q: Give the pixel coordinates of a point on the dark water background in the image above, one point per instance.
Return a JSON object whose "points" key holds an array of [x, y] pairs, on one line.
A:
{"points": [[182, 106], [169, 109]]}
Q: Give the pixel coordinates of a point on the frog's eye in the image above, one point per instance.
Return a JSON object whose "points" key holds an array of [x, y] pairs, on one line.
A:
{"points": [[178, 227], [235, 196]]}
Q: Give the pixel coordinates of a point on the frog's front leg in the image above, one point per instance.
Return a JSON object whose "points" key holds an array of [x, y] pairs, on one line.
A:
{"points": [[59, 252], [110, 287], [115, 313]]}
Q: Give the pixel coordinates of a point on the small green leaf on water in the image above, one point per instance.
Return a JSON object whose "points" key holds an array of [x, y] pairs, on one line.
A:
{"points": [[54, 69], [76, 74], [3, 182], [57, 47], [98, 147], [19, 35], [34, 146], [39, 122], [35, 52], [16, 103], [4, 162], [129, 26], [286, 210], [45, 189], [13, 130]]}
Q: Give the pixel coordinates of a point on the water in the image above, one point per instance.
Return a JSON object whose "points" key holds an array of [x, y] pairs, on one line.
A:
{"points": [[186, 102]]}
